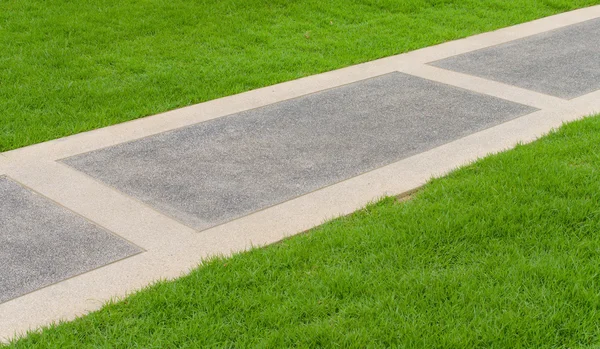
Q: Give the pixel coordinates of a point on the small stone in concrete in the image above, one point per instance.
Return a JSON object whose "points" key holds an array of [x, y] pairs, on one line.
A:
{"points": [[563, 62], [42, 243]]}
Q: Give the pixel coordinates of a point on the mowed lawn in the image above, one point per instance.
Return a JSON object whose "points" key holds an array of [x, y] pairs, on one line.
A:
{"points": [[503, 253], [72, 66]]}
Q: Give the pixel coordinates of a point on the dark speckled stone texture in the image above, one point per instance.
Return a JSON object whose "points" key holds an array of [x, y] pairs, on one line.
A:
{"points": [[564, 62], [222, 169]]}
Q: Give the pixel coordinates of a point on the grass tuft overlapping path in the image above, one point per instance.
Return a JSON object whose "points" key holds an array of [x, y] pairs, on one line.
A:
{"points": [[500, 253], [72, 66]]}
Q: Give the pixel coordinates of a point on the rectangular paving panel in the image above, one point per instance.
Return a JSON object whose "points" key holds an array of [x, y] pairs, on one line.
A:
{"points": [[218, 170], [564, 62], [42, 243]]}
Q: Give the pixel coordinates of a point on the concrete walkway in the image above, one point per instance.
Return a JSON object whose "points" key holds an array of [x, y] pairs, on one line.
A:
{"points": [[104, 213]]}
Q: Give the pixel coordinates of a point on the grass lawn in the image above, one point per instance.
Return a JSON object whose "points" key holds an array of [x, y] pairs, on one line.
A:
{"points": [[72, 66], [502, 253]]}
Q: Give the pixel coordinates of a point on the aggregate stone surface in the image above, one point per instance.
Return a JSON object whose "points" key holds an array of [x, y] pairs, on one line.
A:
{"points": [[215, 171], [563, 62]]}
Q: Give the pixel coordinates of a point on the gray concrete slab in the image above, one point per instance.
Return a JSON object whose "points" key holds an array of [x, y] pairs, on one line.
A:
{"points": [[563, 62], [42, 243], [215, 171]]}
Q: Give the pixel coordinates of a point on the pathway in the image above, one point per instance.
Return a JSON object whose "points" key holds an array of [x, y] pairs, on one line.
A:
{"points": [[104, 213]]}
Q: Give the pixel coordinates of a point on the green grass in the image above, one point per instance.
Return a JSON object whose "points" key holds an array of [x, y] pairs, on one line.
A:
{"points": [[72, 66], [503, 253]]}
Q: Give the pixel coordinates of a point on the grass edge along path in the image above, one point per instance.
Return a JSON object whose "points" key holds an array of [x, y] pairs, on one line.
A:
{"points": [[500, 253], [72, 66]]}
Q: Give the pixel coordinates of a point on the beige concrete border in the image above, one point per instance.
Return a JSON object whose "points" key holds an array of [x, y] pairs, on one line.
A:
{"points": [[173, 248], [3, 164]]}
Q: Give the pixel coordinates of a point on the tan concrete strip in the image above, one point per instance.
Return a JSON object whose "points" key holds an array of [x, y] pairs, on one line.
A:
{"points": [[172, 248], [3, 164]]}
